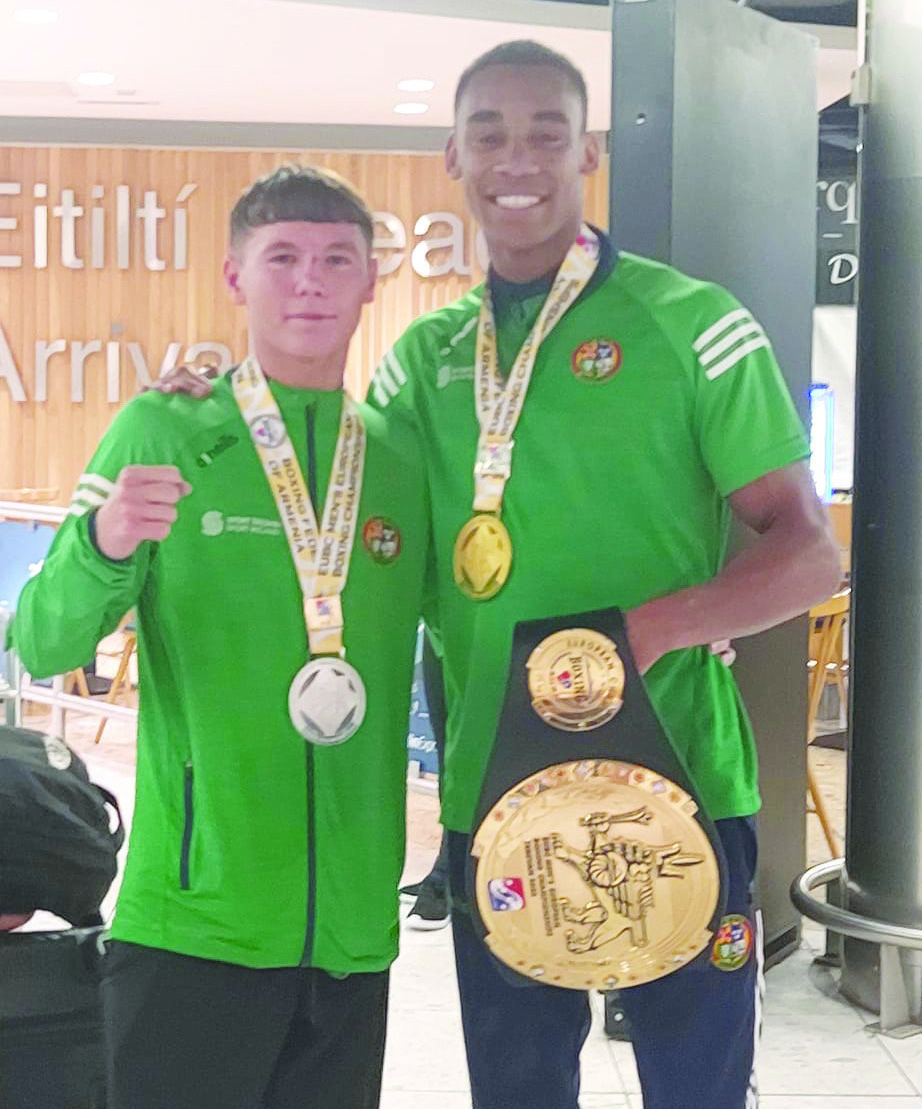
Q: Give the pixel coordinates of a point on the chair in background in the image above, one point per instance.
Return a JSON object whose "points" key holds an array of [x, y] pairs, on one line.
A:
{"points": [[129, 634], [75, 682], [826, 666]]}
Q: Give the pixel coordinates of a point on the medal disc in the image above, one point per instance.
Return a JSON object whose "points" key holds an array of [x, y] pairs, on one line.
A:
{"points": [[576, 679], [326, 701], [595, 874], [482, 557]]}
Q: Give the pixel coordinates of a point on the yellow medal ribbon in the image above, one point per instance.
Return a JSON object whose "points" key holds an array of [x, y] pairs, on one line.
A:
{"points": [[483, 549], [320, 555]]}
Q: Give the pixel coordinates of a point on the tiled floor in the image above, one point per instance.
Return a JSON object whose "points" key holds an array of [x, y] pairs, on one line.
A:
{"points": [[815, 1054]]}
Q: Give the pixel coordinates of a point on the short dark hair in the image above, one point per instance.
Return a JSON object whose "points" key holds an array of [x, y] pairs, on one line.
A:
{"points": [[524, 52], [300, 193]]}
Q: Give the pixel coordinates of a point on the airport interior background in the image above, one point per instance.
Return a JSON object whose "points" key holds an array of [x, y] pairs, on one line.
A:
{"points": [[127, 130]]}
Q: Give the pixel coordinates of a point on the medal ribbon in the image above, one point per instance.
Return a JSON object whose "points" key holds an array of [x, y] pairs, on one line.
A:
{"points": [[499, 403], [320, 555]]}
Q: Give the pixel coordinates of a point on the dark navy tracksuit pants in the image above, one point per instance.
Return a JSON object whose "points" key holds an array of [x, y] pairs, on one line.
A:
{"points": [[694, 1032]]}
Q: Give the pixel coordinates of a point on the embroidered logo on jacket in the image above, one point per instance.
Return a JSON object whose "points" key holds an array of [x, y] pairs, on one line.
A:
{"points": [[448, 375], [224, 443], [216, 523], [596, 360], [381, 538]]}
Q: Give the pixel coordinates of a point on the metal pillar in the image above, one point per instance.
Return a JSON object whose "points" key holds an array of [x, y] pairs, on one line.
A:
{"points": [[883, 853]]}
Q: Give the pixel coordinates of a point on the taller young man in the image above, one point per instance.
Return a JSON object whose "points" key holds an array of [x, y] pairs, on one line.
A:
{"points": [[655, 410], [258, 914]]}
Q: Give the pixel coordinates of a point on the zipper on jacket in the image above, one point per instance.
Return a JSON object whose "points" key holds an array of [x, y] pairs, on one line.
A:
{"points": [[187, 828], [311, 477]]}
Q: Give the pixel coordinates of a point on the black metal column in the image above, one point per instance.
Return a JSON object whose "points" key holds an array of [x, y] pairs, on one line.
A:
{"points": [[883, 851]]}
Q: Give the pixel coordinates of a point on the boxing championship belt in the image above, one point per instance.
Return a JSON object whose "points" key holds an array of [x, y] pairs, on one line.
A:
{"points": [[592, 864]]}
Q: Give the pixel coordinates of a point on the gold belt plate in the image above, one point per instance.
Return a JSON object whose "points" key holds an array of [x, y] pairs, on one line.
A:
{"points": [[595, 875], [576, 679]]}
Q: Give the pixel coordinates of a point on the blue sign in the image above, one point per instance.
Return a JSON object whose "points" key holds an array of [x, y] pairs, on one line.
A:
{"points": [[420, 741], [22, 546]]}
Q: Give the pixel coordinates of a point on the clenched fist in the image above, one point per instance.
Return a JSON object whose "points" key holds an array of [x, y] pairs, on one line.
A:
{"points": [[142, 506]]}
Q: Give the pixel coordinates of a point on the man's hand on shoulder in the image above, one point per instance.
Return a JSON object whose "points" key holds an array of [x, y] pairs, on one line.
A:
{"points": [[185, 379], [142, 506]]}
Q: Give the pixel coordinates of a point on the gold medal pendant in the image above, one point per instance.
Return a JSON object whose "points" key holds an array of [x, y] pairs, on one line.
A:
{"points": [[482, 557], [595, 874]]}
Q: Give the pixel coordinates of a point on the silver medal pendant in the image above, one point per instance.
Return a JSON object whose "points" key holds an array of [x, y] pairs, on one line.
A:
{"points": [[326, 701]]}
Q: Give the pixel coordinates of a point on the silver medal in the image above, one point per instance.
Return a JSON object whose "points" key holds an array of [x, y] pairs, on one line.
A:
{"points": [[326, 701]]}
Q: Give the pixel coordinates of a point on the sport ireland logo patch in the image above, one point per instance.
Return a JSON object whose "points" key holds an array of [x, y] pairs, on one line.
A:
{"points": [[215, 523]]}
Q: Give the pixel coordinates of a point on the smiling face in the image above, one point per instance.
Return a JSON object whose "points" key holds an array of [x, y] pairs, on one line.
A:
{"points": [[303, 285], [520, 147]]}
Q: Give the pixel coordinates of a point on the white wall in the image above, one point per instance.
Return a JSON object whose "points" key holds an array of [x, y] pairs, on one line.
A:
{"points": [[834, 350]]}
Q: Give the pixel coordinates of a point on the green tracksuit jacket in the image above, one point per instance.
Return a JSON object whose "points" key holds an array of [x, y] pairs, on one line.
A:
{"points": [[248, 845]]}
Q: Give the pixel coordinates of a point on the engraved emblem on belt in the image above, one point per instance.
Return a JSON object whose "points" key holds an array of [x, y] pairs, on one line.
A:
{"points": [[615, 882], [576, 680], [621, 875]]}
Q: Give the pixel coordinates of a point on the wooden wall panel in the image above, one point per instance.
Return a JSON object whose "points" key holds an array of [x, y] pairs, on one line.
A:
{"points": [[45, 443]]}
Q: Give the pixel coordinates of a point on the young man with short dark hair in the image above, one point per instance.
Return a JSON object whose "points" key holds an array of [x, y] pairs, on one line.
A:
{"points": [[621, 412], [258, 914]]}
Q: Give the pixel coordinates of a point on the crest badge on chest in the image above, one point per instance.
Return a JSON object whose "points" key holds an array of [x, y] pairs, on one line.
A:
{"points": [[596, 360]]}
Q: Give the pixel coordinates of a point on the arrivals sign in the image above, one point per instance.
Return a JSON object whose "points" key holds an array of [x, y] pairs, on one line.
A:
{"points": [[81, 230]]}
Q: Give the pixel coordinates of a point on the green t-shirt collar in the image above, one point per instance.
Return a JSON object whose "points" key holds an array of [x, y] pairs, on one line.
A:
{"points": [[516, 304]]}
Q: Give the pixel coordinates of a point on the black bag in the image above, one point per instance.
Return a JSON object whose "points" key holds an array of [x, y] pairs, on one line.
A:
{"points": [[51, 1038], [57, 851]]}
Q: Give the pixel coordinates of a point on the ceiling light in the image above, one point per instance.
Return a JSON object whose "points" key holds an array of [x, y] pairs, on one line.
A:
{"points": [[416, 84], [35, 15], [96, 78], [410, 108]]}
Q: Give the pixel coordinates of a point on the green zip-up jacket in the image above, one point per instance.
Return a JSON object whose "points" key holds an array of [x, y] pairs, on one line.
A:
{"points": [[248, 844]]}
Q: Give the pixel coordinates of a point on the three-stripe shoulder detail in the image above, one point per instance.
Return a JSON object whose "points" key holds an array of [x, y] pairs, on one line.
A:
{"points": [[390, 377], [727, 342], [93, 490]]}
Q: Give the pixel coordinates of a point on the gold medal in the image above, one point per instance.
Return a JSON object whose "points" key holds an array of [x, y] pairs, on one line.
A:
{"points": [[576, 679], [595, 875], [483, 550], [482, 558]]}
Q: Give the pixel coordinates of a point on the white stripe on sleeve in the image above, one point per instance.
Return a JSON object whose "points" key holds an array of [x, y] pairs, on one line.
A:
{"points": [[397, 372], [718, 328], [736, 356], [89, 497], [715, 350], [96, 481], [380, 393]]}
